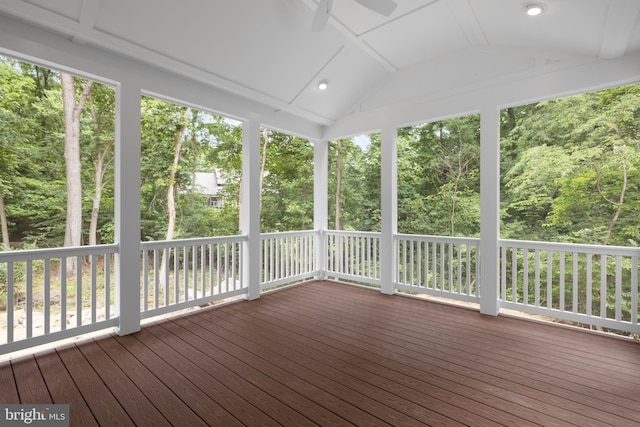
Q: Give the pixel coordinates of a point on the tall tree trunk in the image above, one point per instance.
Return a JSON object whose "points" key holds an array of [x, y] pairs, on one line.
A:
{"points": [[3, 225], [617, 204], [171, 203], [263, 162], [95, 209], [100, 166], [72, 114], [454, 199], [511, 113]]}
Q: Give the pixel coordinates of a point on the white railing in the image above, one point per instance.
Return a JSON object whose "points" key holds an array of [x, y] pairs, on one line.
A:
{"points": [[287, 257], [353, 255], [196, 272], [446, 267], [41, 303], [594, 285], [44, 301]]}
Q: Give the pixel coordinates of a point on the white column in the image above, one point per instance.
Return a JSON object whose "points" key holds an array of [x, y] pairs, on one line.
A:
{"points": [[388, 208], [250, 209], [489, 209], [320, 203], [127, 207]]}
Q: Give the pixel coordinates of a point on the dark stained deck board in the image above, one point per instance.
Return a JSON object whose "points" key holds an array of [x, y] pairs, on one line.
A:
{"points": [[324, 353], [139, 408], [8, 390], [29, 382], [471, 337], [292, 391], [177, 397], [361, 381], [508, 330], [521, 343], [335, 333], [252, 385], [172, 400], [360, 395], [99, 398], [63, 389], [162, 359], [434, 394], [544, 379]]}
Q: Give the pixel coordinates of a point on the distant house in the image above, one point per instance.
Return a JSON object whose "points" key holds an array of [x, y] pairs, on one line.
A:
{"points": [[209, 184]]}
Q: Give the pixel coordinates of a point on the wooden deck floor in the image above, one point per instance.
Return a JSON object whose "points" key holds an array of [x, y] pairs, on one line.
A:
{"points": [[331, 354]]}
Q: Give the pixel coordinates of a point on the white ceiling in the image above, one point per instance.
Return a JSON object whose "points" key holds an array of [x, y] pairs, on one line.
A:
{"points": [[264, 49]]}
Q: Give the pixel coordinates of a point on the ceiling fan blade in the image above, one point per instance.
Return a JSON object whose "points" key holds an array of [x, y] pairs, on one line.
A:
{"points": [[321, 16], [383, 7]]}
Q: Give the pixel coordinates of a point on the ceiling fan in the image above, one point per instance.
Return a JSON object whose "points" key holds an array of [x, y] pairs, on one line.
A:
{"points": [[321, 16]]}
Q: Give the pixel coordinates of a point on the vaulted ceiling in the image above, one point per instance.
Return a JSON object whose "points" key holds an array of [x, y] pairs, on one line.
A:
{"points": [[265, 50]]}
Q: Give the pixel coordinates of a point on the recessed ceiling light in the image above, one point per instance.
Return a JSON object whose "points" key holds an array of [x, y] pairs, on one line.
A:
{"points": [[534, 9], [323, 85]]}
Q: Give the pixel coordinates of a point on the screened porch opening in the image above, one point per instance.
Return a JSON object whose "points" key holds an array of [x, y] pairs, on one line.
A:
{"points": [[194, 232]]}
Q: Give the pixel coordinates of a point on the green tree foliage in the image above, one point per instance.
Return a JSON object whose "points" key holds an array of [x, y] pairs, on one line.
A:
{"points": [[98, 142], [359, 193], [33, 147], [439, 177], [570, 174], [573, 169], [225, 156], [569, 169], [14, 135], [161, 123], [210, 144], [287, 189], [32, 152]]}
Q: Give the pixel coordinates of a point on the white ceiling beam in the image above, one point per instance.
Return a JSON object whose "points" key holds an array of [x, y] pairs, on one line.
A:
{"points": [[468, 21], [88, 17], [354, 38], [621, 18], [89, 13]]}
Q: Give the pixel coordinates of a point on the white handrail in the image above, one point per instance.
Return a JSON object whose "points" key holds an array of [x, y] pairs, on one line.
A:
{"points": [[572, 247], [36, 254], [158, 244], [590, 284]]}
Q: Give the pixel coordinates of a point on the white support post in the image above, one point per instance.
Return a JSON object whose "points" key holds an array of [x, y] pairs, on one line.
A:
{"points": [[250, 209], [127, 207], [388, 208], [489, 210], [320, 203]]}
